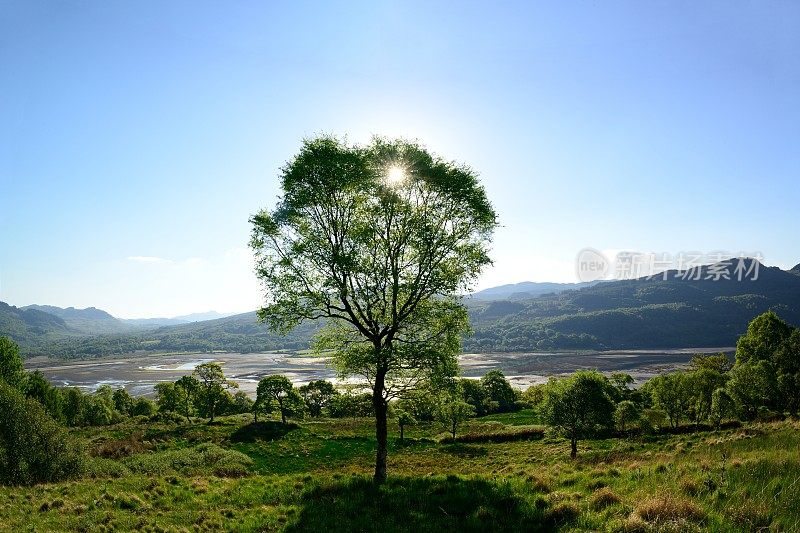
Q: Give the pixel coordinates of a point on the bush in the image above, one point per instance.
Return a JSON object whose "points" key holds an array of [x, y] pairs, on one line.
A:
{"points": [[116, 449], [143, 407], [603, 498], [351, 405], [33, 448], [205, 458], [509, 434], [669, 508]]}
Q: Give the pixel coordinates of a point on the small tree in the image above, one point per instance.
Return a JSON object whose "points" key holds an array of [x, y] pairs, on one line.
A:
{"points": [[351, 405], [452, 412], [579, 405], [33, 448], [11, 369], [242, 402], [167, 397], [535, 394], [100, 407], [143, 407], [123, 402], [475, 394], [621, 382], [421, 403], [753, 385], [625, 414], [38, 388], [404, 419], [317, 395], [654, 418], [672, 395], [74, 406], [764, 336], [499, 391], [191, 389], [213, 387], [700, 386], [723, 406], [277, 393]]}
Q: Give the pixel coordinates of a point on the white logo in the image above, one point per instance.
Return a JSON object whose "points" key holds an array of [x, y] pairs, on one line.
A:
{"points": [[591, 265]]}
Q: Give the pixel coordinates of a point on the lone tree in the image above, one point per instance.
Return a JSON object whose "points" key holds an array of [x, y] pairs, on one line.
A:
{"points": [[378, 241], [404, 419], [579, 406], [452, 412], [212, 387], [277, 393], [317, 395]]}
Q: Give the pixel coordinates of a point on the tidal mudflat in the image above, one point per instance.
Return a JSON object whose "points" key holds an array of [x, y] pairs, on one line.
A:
{"points": [[138, 373]]}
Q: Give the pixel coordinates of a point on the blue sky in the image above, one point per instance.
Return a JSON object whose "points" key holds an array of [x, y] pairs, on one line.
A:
{"points": [[136, 138]]}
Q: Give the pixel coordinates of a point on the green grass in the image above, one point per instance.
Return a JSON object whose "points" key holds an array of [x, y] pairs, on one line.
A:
{"points": [[315, 476]]}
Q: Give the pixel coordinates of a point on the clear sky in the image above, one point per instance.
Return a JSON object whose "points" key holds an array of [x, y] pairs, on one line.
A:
{"points": [[136, 138]]}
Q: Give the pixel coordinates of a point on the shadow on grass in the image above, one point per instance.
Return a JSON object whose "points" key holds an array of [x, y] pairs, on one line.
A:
{"points": [[262, 431], [418, 504]]}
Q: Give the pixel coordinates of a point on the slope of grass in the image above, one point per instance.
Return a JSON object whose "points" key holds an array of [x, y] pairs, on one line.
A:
{"points": [[315, 476]]}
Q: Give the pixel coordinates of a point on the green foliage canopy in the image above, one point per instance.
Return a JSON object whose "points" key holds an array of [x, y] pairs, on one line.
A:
{"points": [[383, 260], [579, 406], [11, 369]]}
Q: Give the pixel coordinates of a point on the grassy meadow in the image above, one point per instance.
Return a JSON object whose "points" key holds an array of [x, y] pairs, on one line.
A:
{"points": [[503, 473]]}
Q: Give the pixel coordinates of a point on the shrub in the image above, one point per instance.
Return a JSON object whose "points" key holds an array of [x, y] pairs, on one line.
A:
{"points": [[352, 405], [669, 508], [603, 498], [202, 459], [33, 448], [562, 513], [143, 407], [506, 434], [116, 449], [101, 468], [750, 516]]}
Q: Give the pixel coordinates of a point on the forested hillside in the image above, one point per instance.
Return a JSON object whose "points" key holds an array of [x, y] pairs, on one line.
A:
{"points": [[89, 321], [643, 313]]}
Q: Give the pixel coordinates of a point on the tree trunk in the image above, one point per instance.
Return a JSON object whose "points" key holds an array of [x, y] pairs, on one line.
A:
{"points": [[401, 433], [454, 431], [283, 416], [574, 451], [380, 428]]}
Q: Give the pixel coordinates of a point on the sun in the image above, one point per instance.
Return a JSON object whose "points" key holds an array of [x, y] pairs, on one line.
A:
{"points": [[395, 175]]}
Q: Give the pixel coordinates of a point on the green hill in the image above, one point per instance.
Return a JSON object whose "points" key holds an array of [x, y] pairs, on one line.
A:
{"points": [[89, 321], [642, 313], [631, 314], [31, 328]]}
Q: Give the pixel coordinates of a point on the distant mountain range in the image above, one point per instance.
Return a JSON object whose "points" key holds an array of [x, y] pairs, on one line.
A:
{"points": [[527, 289], [89, 321], [174, 321], [43, 328], [677, 312]]}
